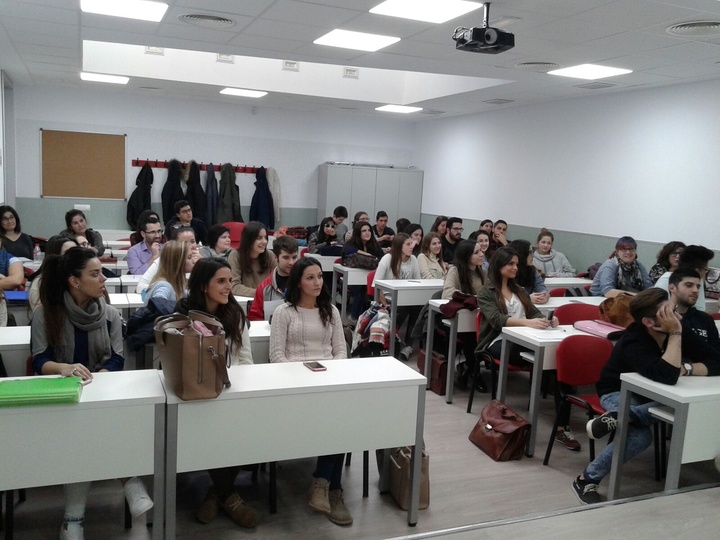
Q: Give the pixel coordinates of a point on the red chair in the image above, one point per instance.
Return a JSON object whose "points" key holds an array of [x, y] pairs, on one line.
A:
{"points": [[579, 360], [560, 291], [716, 316], [494, 363], [236, 229], [370, 288], [570, 313], [303, 251]]}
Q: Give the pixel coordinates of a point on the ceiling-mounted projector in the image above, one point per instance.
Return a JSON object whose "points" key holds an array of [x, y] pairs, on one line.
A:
{"points": [[484, 40]]}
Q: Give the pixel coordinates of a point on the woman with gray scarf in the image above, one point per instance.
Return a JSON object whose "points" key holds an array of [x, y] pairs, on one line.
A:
{"points": [[75, 333]]}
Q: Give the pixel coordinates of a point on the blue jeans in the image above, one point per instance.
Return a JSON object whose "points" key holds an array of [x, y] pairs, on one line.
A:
{"points": [[330, 468], [639, 435]]}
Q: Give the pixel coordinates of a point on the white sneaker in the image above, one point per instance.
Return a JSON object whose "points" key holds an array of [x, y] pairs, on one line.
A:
{"points": [[137, 497], [72, 530]]}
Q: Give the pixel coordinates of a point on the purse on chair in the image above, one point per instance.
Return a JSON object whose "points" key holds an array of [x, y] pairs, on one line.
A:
{"points": [[192, 355], [501, 433]]}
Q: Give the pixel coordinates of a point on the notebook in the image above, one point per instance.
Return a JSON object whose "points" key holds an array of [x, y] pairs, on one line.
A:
{"points": [[40, 391]]}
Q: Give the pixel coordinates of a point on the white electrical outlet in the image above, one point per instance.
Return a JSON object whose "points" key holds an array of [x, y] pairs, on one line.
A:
{"points": [[83, 207]]}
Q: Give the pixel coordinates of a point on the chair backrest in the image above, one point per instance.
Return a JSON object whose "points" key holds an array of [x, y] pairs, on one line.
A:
{"points": [[236, 229], [570, 313], [370, 278], [580, 359], [559, 291], [716, 316], [303, 251]]}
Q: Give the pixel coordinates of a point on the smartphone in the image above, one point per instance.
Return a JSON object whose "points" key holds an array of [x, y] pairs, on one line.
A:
{"points": [[550, 315], [314, 366]]}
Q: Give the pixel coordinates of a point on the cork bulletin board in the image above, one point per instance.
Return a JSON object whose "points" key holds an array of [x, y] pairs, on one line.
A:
{"points": [[83, 165]]}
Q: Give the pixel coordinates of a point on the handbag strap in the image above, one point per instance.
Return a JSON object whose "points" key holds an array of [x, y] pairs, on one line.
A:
{"points": [[221, 368], [205, 318]]}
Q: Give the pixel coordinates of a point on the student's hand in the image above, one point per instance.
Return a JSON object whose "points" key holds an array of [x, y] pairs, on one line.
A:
{"points": [[555, 322], [540, 324], [195, 257], [76, 370], [539, 298], [155, 249], [500, 238], [666, 320]]}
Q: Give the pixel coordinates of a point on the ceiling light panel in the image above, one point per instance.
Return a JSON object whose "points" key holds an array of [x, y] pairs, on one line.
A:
{"points": [[242, 92], [589, 72], [434, 11], [398, 109], [142, 10], [359, 41], [100, 77]]}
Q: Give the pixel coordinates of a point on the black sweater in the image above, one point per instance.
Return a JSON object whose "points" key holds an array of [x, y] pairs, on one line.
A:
{"points": [[637, 351]]}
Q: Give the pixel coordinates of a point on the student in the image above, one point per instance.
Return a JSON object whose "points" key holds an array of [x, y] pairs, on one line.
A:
{"points": [[209, 291], [499, 237], [685, 285], [57, 245], [668, 260], [181, 234], [251, 263], [656, 346], [145, 216], [12, 273], [75, 333], [504, 302], [430, 260], [440, 226], [483, 239], [527, 275], [453, 234], [486, 225], [184, 216], [76, 225], [400, 263], [622, 272], [382, 232], [340, 214], [359, 216], [401, 224], [141, 256], [415, 231], [362, 244], [218, 243], [549, 262], [325, 239], [271, 292], [308, 327], [697, 258], [176, 260], [15, 242], [466, 276]]}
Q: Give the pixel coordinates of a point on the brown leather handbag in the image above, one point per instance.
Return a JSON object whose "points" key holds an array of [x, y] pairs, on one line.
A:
{"points": [[400, 463], [192, 354], [501, 433]]}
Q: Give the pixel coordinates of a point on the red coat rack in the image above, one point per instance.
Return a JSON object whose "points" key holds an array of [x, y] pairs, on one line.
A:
{"points": [[159, 164]]}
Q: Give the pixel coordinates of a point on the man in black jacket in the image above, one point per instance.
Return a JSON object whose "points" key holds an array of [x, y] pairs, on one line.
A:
{"points": [[657, 346], [184, 217], [684, 286]]}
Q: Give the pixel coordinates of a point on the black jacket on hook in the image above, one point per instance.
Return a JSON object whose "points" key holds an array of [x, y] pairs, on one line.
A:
{"points": [[229, 196], [211, 196], [140, 198], [172, 190], [195, 194], [261, 207]]}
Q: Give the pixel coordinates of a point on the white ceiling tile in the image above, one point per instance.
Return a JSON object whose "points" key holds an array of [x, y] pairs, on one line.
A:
{"points": [[308, 13]]}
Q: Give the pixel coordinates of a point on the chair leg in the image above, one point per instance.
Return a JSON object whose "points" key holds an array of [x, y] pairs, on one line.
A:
{"points": [[366, 466], [476, 368], [348, 458], [273, 487], [551, 442], [591, 442], [128, 516], [494, 376], [9, 514], [22, 495]]}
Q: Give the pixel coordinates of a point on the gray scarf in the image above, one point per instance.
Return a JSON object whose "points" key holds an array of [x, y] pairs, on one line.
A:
{"points": [[91, 320]]}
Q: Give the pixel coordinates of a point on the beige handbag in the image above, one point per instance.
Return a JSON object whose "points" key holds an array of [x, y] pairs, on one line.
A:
{"points": [[400, 477], [192, 354]]}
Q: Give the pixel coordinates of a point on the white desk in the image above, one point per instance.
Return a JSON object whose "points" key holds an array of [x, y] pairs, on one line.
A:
{"points": [[350, 276], [15, 348], [557, 301], [544, 344], [696, 428], [326, 261], [464, 321], [564, 282], [245, 302], [285, 411], [115, 431], [405, 292], [260, 341]]}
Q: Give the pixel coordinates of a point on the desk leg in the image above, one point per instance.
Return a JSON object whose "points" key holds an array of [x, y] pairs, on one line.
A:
{"points": [[429, 343], [416, 461], [618, 457], [452, 352], [676, 446], [393, 320], [159, 476], [171, 427], [535, 391], [343, 308], [503, 371]]}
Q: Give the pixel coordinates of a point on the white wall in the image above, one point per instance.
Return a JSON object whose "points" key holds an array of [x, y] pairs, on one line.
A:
{"points": [[294, 143], [642, 163]]}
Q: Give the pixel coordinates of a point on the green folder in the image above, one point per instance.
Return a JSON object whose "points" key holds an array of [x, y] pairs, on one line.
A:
{"points": [[40, 391]]}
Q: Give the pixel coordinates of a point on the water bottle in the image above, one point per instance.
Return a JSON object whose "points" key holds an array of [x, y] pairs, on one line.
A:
{"points": [[37, 254]]}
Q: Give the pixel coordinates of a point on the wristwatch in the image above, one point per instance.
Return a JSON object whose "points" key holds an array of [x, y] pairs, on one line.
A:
{"points": [[688, 368]]}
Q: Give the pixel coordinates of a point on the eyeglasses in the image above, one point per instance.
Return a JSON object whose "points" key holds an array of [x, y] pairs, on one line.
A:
{"points": [[159, 231], [460, 229], [329, 226], [186, 211], [627, 250], [675, 253], [179, 226], [8, 218]]}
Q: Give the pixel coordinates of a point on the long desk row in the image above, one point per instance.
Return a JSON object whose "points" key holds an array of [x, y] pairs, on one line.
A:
{"points": [[269, 405]]}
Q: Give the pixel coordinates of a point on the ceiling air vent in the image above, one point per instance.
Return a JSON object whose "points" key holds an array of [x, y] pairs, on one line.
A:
{"points": [[695, 28], [431, 112], [498, 101], [539, 67], [206, 21], [594, 85]]}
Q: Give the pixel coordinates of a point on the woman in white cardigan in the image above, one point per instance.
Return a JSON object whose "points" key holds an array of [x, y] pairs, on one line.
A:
{"points": [[430, 259]]}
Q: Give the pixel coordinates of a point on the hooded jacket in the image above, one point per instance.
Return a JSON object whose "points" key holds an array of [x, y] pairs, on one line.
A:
{"points": [[211, 196], [195, 194], [140, 198], [228, 197], [172, 190], [261, 207]]}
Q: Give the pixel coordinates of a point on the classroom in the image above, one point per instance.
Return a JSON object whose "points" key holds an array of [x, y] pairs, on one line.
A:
{"points": [[634, 157]]}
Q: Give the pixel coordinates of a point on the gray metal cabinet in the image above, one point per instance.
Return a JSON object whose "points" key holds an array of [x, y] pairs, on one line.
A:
{"points": [[370, 189]]}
